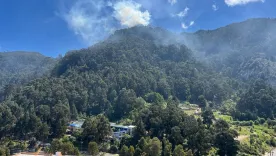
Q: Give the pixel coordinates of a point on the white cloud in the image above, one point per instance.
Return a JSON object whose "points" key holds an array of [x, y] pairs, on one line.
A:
{"points": [[184, 26], [172, 2], [183, 13], [214, 7], [93, 20], [240, 2], [129, 14]]}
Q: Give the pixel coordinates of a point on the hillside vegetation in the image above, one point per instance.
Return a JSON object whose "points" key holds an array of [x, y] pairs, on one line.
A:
{"points": [[140, 76], [244, 50], [20, 67]]}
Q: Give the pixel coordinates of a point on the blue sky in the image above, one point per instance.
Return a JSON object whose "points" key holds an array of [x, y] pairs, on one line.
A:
{"points": [[54, 27]]}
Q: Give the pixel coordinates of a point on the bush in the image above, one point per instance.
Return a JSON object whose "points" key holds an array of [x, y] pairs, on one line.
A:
{"points": [[261, 120], [273, 142], [235, 123], [4, 151], [245, 148], [93, 148], [113, 149], [271, 122], [246, 123]]}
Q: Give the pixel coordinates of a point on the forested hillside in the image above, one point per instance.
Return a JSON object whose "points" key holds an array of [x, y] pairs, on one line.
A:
{"points": [[21, 67], [244, 50], [111, 76], [148, 77]]}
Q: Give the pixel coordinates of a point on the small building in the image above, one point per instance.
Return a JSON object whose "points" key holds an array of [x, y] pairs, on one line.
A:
{"points": [[120, 130], [75, 125]]}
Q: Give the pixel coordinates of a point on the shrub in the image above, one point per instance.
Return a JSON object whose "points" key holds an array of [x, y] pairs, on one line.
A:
{"points": [[113, 149], [93, 148], [261, 120]]}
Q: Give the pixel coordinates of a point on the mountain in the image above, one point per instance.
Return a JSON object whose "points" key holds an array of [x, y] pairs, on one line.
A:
{"points": [[139, 76], [20, 67], [115, 77], [244, 50]]}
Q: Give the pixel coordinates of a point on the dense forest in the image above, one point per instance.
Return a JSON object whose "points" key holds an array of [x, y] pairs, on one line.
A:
{"points": [[21, 67], [244, 50], [141, 76]]}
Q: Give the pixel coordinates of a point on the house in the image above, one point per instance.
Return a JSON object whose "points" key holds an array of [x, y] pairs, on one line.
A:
{"points": [[75, 125], [119, 130]]}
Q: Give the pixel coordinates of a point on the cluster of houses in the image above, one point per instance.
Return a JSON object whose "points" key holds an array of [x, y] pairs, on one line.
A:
{"points": [[118, 131]]}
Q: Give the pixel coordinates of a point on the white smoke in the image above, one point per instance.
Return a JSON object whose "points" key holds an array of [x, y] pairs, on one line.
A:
{"points": [[240, 2], [93, 20], [129, 14]]}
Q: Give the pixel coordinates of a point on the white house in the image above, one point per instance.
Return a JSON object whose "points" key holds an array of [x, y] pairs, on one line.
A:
{"points": [[119, 130]]}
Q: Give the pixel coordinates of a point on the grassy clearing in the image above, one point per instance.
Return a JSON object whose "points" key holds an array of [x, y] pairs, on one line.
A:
{"points": [[227, 118], [260, 134]]}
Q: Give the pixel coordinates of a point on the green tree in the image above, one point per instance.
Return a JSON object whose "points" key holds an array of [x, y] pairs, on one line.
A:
{"points": [[208, 117], [155, 98], [226, 144], [154, 147], [189, 153], [43, 132], [4, 151], [131, 151], [141, 147], [140, 130], [176, 135], [202, 101], [7, 120], [60, 117], [125, 103], [200, 142], [74, 112], [179, 151], [138, 152], [67, 148], [167, 147], [221, 126], [93, 148], [96, 129], [55, 145], [142, 144], [124, 151]]}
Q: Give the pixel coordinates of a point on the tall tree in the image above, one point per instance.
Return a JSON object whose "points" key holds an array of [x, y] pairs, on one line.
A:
{"points": [[124, 151], [131, 151], [167, 147], [155, 147], [226, 144], [96, 129], [93, 148], [179, 151], [208, 117]]}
